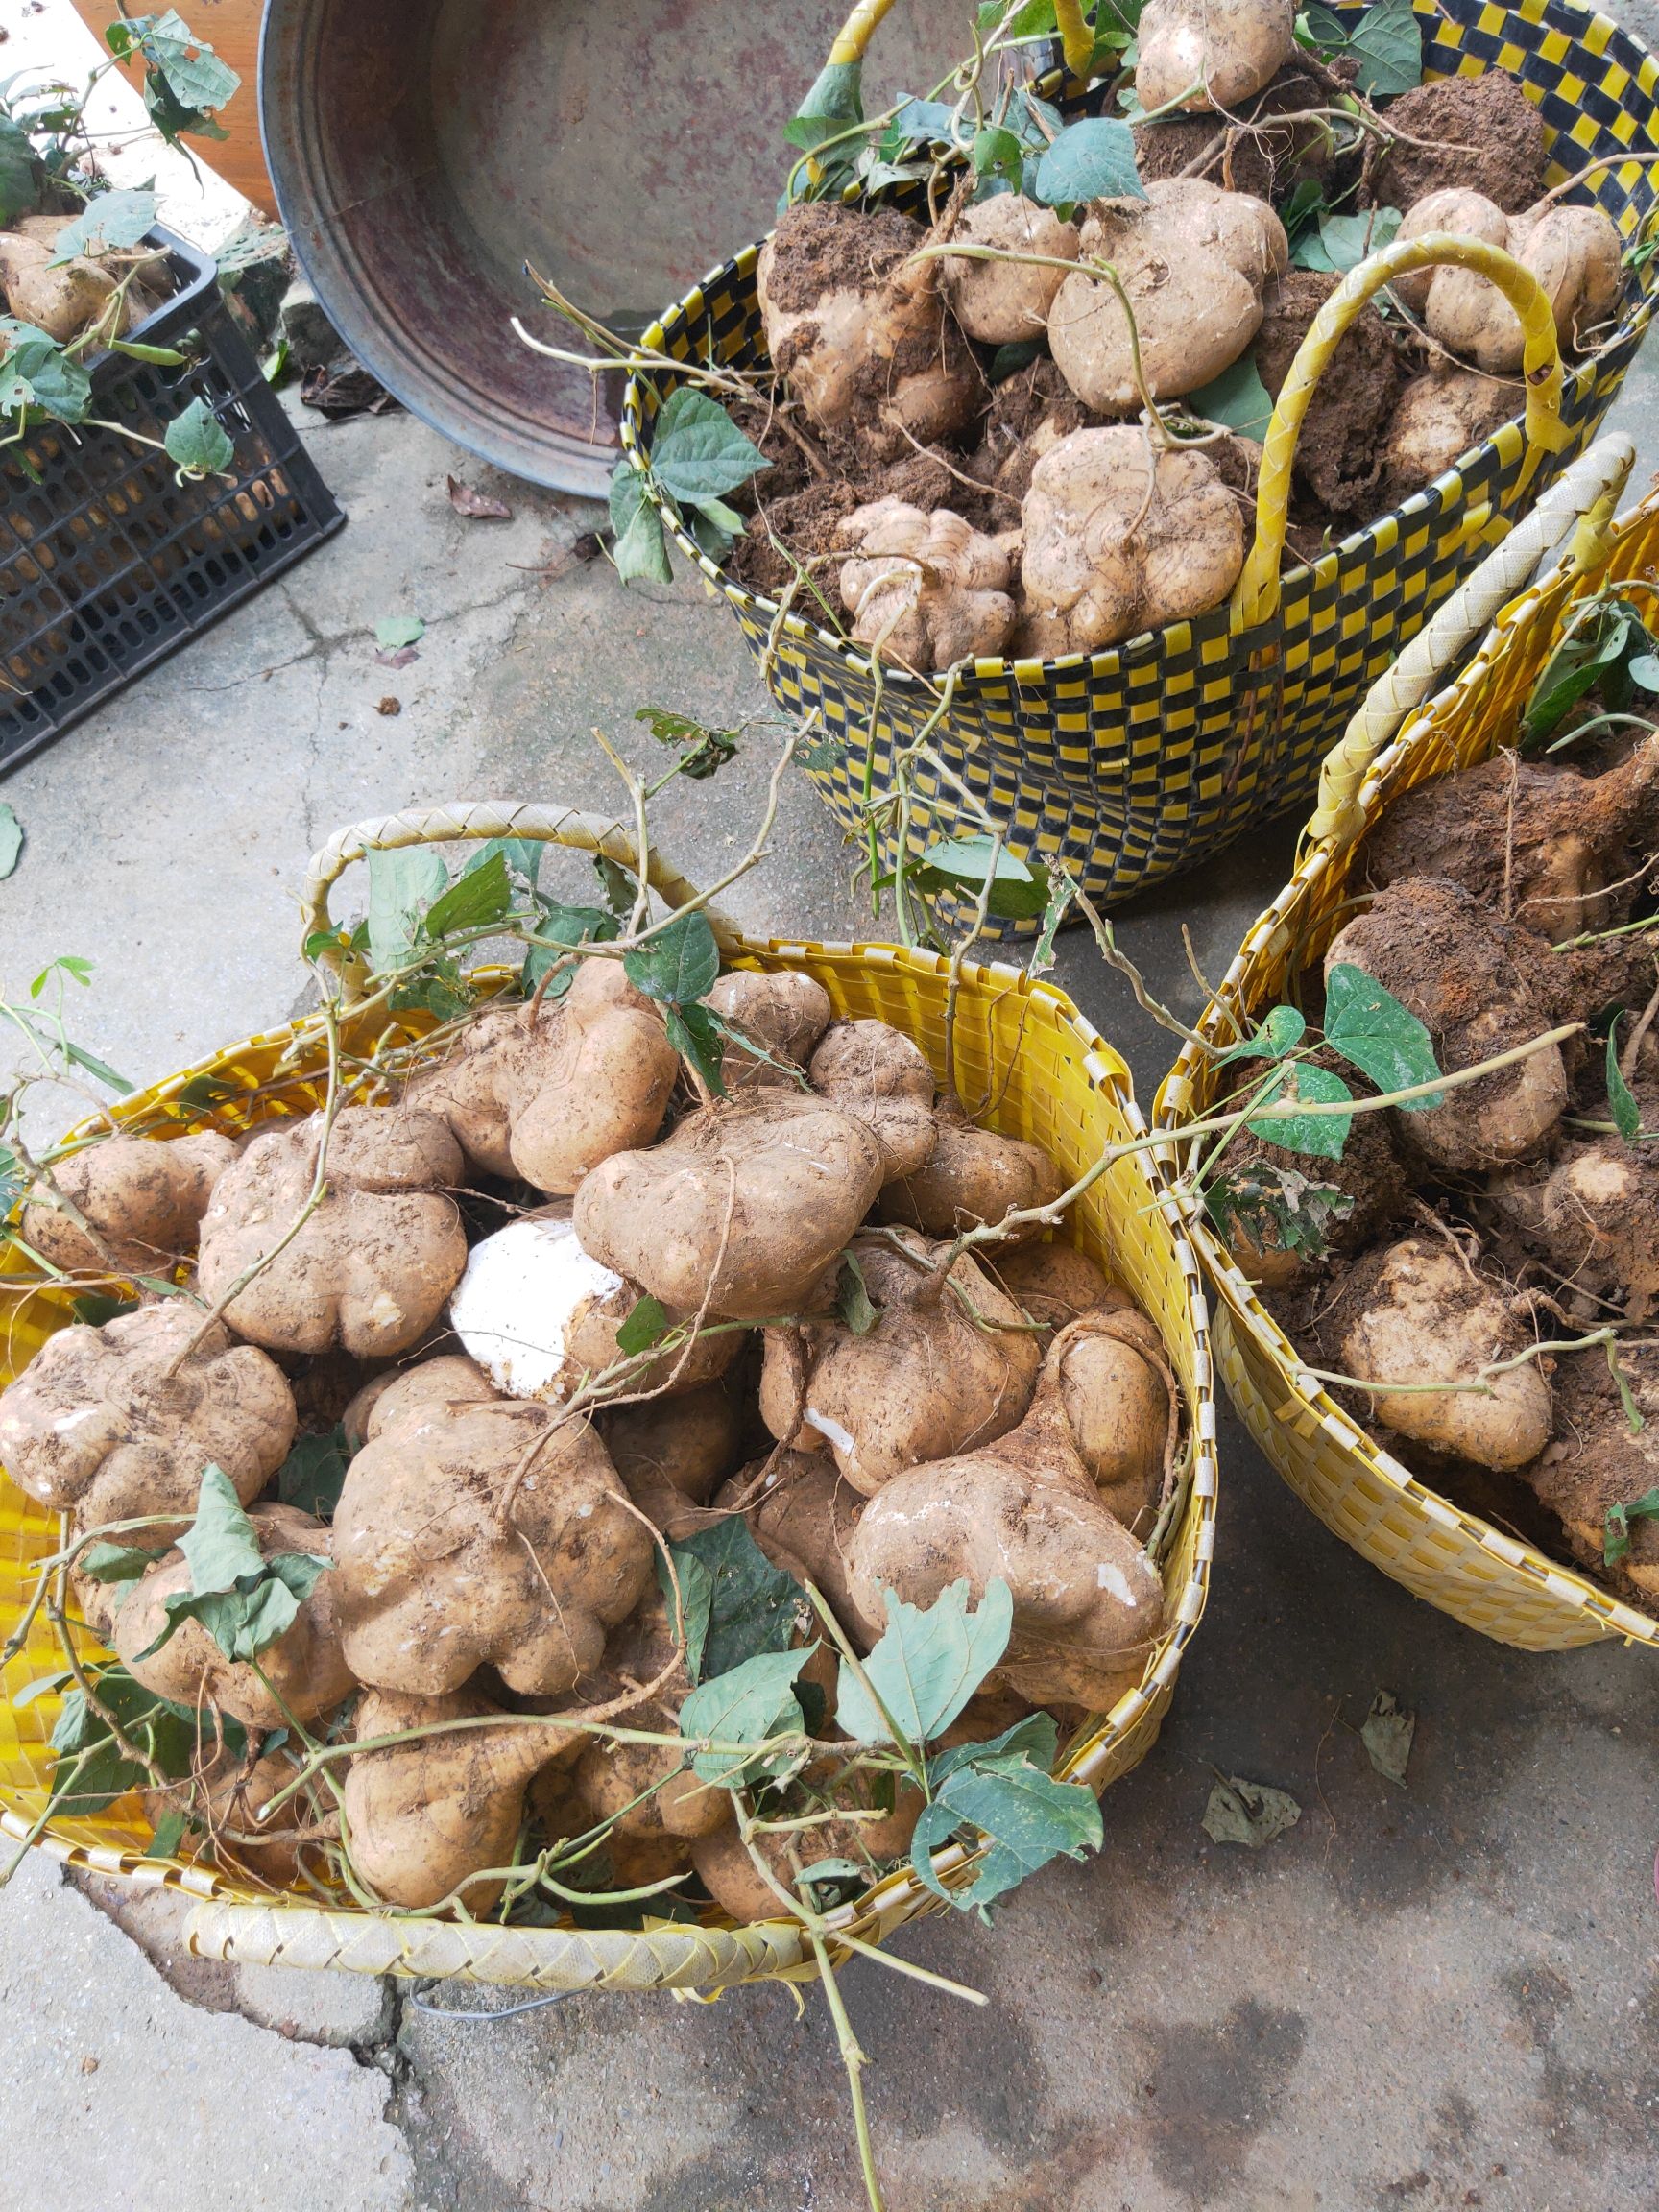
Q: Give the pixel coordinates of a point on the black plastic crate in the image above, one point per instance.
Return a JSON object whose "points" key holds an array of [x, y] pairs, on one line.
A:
{"points": [[107, 564]]}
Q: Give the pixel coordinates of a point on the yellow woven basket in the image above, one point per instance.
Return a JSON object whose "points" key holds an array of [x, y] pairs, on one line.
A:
{"points": [[1057, 1081], [1458, 1562], [1130, 764]]}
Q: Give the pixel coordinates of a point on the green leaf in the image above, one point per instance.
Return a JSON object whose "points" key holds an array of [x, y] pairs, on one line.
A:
{"points": [[960, 865], [640, 548], [703, 751], [1389, 47], [1303, 208], [169, 1835], [923, 123], [196, 440], [753, 1606], [698, 453], [1281, 1032], [853, 1300], [1602, 639], [312, 1475], [567, 925], [996, 151], [1644, 670], [647, 1324], [1626, 1113], [393, 631], [19, 171], [1342, 242], [1386, 1732], [92, 1772], [403, 884], [11, 841], [95, 1308], [1032, 19], [35, 372], [116, 1562], [1277, 1205], [1248, 1813], [1063, 889], [1379, 1036], [1008, 360], [110, 223], [678, 966], [195, 77], [926, 1665], [1024, 1814], [475, 899], [100, 1071], [1322, 1134], [1237, 399], [750, 1703], [1093, 159], [697, 1037], [523, 857], [220, 1544], [1616, 1539], [837, 95]]}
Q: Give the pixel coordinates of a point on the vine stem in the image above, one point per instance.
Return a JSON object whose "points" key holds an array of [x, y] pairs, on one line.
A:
{"points": [[854, 2061]]}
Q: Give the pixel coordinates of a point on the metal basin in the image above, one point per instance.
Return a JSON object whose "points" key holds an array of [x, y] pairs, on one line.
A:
{"points": [[422, 151]]}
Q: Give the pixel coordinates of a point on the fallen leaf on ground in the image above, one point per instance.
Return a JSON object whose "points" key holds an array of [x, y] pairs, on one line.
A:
{"points": [[395, 629], [399, 659], [11, 841], [1248, 1813], [349, 390], [390, 705], [1386, 1733], [476, 506]]}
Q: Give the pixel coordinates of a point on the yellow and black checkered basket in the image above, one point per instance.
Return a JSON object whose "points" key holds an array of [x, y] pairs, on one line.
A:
{"points": [[1484, 1578], [1055, 1081], [1130, 764]]}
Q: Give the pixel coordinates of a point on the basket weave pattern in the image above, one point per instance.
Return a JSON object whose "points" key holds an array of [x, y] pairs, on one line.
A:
{"points": [[1132, 763], [1057, 1083], [1458, 1562]]}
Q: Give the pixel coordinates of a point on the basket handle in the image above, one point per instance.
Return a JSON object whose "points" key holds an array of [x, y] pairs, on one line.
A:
{"points": [[473, 819], [1256, 596], [853, 40], [1588, 489]]}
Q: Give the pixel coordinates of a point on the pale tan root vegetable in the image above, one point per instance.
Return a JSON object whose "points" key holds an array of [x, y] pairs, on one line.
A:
{"points": [[673, 1453], [858, 328], [1439, 417], [971, 1176], [1000, 302], [945, 1367], [1423, 1319], [1054, 1282], [1119, 538], [143, 1198], [747, 1205], [1087, 1604], [1230, 49], [1192, 260], [1594, 1220], [422, 1816], [784, 1012], [606, 1777], [547, 1095], [1575, 253], [1120, 1400], [448, 1380], [541, 1313], [95, 1423], [63, 301], [1473, 980], [372, 1266], [803, 1519], [928, 589], [1596, 1461], [874, 1071], [305, 1671], [728, 1873], [431, 1581]]}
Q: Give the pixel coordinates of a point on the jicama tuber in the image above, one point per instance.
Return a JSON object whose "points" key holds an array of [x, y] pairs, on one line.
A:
{"points": [[803, 1516], [972, 1177], [1054, 1282], [927, 590], [1575, 253], [144, 1200], [944, 1366], [371, 1267], [1593, 1219], [1119, 1400], [1439, 417], [1211, 53], [874, 1071], [996, 301], [673, 1453], [1122, 537], [547, 1092], [1601, 1461], [1087, 1604], [101, 1423], [782, 1012]]}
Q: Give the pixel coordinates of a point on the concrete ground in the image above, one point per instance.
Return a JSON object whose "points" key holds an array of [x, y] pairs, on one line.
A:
{"points": [[1442, 1995]]}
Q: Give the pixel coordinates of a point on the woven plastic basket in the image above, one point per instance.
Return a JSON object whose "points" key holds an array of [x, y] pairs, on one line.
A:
{"points": [[1132, 763], [1458, 1562], [1057, 1083]]}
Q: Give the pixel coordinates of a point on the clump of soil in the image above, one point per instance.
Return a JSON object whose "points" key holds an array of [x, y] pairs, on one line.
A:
{"points": [[818, 252], [1029, 412], [1340, 454], [1480, 132], [1245, 154]]}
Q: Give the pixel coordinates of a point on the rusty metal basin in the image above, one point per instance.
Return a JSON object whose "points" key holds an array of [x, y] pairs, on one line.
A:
{"points": [[422, 151]]}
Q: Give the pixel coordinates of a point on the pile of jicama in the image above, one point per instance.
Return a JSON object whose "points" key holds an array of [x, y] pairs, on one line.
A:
{"points": [[576, 1483]]}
